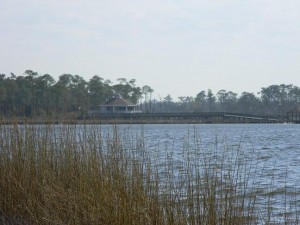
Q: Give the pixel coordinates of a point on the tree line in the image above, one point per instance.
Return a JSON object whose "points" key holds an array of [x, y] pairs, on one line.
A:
{"points": [[274, 100], [33, 94]]}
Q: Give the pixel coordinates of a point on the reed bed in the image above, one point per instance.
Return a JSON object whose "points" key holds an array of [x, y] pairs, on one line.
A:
{"points": [[68, 174]]}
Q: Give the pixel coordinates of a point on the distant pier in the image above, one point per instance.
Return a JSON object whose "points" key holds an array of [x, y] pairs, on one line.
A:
{"points": [[199, 117]]}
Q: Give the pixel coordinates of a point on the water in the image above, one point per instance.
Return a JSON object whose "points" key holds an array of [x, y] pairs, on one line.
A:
{"points": [[275, 148], [270, 154]]}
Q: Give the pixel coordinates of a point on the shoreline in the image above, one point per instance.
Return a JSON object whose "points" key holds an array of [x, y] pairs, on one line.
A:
{"points": [[149, 118], [120, 121]]}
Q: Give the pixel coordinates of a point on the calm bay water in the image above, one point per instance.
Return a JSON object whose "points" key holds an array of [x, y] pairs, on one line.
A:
{"points": [[270, 154], [274, 148]]}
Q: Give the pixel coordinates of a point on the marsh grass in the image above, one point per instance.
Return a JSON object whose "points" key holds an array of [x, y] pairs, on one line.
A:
{"points": [[54, 174]]}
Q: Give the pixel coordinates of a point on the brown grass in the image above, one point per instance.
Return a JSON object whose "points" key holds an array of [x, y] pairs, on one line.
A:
{"points": [[76, 175]]}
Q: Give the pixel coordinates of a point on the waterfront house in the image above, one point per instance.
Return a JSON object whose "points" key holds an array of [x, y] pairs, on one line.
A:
{"points": [[293, 115], [117, 104]]}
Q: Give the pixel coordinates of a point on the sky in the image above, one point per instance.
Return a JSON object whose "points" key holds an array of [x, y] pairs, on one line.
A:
{"points": [[178, 47]]}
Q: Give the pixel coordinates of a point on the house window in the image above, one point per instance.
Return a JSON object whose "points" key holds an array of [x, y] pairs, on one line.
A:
{"points": [[121, 108], [109, 109], [130, 108]]}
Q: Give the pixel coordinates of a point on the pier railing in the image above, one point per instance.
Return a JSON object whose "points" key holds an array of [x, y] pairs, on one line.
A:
{"points": [[192, 117]]}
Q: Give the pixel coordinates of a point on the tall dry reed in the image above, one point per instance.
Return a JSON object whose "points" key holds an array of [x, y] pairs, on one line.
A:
{"points": [[68, 174]]}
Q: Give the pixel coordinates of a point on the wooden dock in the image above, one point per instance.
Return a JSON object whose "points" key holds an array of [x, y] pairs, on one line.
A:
{"points": [[200, 117]]}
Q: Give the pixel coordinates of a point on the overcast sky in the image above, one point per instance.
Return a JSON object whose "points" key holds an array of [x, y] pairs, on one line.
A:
{"points": [[178, 47]]}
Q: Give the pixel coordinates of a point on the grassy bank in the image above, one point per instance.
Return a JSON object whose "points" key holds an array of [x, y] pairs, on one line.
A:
{"points": [[81, 175]]}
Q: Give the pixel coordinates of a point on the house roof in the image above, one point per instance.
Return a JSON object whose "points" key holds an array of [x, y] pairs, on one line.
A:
{"points": [[119, 101]]}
